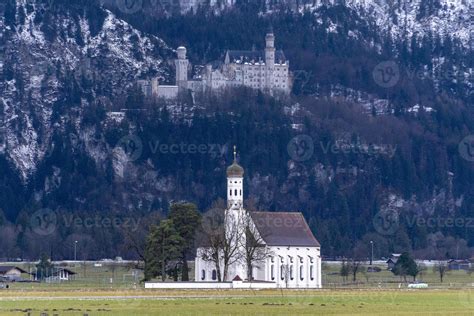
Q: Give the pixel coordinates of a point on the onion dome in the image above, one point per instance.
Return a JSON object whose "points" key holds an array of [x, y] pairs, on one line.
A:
{"points": [[235, 170]]}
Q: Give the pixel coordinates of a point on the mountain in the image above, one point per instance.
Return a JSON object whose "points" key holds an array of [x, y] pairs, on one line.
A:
{"points": [[84, 149], [44, 46]]}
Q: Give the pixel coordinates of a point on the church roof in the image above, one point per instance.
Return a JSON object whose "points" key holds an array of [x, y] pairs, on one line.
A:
{"points": [[244, 56], [284, 229]]}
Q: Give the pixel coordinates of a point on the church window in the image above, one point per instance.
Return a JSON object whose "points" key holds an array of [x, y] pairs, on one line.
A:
{"points": [[282, 272], [240, 192], [301, 273], [272, 272], [230, 191], [214, 275], [203, 274], [235, 192], [291, 272], [311, 273]]}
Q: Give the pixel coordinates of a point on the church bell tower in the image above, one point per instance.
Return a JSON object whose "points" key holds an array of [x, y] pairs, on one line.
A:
{"points": [[235, 186]]}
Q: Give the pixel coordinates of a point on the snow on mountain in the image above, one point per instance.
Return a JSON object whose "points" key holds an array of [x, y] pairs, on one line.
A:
{"points": [[43, 49], [404, 18]]}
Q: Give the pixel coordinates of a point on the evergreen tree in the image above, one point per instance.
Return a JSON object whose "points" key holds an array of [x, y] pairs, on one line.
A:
{"points": [[164, 244], [186, 219]]}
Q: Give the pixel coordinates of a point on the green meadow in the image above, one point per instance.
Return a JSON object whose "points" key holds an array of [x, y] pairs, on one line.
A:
{"points": [[324, 302], [113, 289]]}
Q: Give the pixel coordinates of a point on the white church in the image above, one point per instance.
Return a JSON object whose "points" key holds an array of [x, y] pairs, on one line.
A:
{"points": [[266, 70], [291, 254]]}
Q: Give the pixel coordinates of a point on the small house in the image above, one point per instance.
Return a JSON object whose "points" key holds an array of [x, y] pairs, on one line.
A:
{"points": [[459, 264], [392, 261], [57, 274], [11, 273]]}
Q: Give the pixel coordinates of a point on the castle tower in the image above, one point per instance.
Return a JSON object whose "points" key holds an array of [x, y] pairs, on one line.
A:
{"points": [[181, 68], [269, 59], [235, 187]]}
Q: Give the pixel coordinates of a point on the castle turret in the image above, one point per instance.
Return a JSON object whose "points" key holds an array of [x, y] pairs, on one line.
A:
{"points": [[181, 68], [269, 59]]}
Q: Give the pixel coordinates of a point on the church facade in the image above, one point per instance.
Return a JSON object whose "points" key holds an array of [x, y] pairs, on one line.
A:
{"points": [[289, 254], [266, 70]]}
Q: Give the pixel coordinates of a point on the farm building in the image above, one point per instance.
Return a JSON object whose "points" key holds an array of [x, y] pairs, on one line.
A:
{"points": [[11, 273], [461, 264], [56, 274]]}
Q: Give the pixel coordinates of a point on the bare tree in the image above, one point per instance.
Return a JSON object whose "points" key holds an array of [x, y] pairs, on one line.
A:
{"points": [[285, 273], [345, 270], [255, 251], [441, 268], [212, 238], [221, 236], [355, 267], [234, 233]]}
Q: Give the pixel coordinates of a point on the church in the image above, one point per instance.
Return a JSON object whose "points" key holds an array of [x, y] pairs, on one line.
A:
{"points": [[289, 254], [266, 70]]}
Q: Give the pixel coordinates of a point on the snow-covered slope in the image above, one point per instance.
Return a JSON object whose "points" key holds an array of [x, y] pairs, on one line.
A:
{"points": [[43, 50], [404, 18]]}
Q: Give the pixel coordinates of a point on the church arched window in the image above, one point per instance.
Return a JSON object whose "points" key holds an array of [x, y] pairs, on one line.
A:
{"points": [[214, 275], [230, 192], [311, 272], [235, 192], [203, 274], [240, 192], [301, 273], [282, 272], [272, 269]]}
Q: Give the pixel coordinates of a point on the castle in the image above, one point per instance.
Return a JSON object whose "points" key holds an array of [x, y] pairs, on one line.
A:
{"points": [[266, 70]]}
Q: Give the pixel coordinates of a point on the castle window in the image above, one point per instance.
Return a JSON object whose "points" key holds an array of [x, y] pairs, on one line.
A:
{"points": [[214, 275], [203, 274]]}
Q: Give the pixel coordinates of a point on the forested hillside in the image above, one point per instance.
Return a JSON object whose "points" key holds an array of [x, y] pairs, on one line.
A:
{"points": [[84, 149]]}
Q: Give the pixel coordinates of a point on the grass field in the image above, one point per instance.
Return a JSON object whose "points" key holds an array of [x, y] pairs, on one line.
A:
{"points": [[112, 290], [324, 302]]}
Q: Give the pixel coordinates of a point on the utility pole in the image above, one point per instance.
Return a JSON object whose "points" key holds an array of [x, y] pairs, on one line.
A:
{"points": [[372, 252], [75, 251]]}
